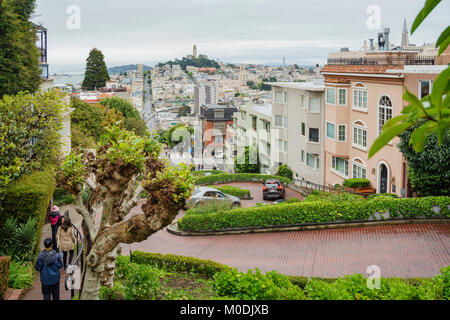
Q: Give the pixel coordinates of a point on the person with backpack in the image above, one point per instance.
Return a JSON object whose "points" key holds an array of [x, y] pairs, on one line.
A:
{"points": [[55, 221], [48, 264], [65, 239]]}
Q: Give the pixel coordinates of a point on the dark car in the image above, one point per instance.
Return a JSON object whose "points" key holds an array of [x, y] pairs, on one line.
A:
{"points": [[273, 189]]}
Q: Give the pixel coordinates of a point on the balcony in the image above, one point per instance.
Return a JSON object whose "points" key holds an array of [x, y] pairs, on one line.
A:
{"points": [[383, 60]]}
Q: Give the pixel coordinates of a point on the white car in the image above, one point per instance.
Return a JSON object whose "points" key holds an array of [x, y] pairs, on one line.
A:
{"points": [[203, 195]]}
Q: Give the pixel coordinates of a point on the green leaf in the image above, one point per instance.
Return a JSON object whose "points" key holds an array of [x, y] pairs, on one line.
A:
{"points": [[429, 6], [444, 40], [440, 87], [415, 102], [394, 121], [386, 136], [420, 135]]}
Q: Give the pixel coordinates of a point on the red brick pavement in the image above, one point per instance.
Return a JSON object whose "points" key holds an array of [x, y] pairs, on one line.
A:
{"points": [[35, 293]]}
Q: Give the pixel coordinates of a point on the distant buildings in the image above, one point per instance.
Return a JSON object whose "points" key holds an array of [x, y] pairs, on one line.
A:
{"points": [[205, 94]]}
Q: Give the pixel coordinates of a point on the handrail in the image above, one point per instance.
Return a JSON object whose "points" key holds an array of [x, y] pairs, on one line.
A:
{"points": [[314, 186], [79, 258]]}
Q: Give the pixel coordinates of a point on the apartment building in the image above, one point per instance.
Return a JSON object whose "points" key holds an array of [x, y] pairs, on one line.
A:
{"points": [[212, 132], [205, 94], [360, 97], [251, 127], [297, 128]]}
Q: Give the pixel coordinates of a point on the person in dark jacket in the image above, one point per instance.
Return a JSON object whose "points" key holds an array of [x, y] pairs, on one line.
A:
{"points": [[55, 221], [48, 264]]}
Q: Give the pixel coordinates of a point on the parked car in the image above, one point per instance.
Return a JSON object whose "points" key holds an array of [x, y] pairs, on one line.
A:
{"points": [[203, 195], [273, 189]]}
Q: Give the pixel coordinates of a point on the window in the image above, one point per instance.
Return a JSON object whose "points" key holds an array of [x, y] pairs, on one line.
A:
{"points": [[254, 123], [425, 87], [310, 160], [314, 105], [268, 149], [331, 95], [360, 99], [285, 146], [331, 130], [384, 112], [313, 135], [267, 126], [278, 121], [285, 122], [340, 165], [219, 114], [281, 145], [317, 163], [359, 135], [303, 156], [303, 129], [342, 97], [303, 102], [359, 170], [285, 97], [278, 96], [342, 133]]}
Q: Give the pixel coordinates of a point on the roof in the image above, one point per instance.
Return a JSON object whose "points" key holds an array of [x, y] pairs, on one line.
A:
{"points": [[310, 86], [359, 69]]}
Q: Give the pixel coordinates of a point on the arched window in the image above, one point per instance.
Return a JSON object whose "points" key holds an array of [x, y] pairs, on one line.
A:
{"points": [[359, 168], [384, 112]]}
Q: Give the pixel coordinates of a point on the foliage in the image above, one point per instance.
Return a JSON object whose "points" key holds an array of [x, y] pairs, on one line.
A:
{"points": [[209, 207], [29, 197], [4, 274], [176, 263], [96, 73], [88, 118], [205, 172], [61, 197], [29, 133], [356, 183], [316, 212], [74, 170], [248, 162], [235, 191], [116, 292], [81, 139], [254, 285], [238, 177], [121, 105], [18, 241], [20, 275], [175, 135], [19, 61], [425, 168], [431, 114], [285, 171], [201, 62], [333, 196], [137, 125]]}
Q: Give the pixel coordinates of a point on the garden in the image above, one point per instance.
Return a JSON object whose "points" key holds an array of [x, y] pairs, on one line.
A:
{"points": [[150, 276]]}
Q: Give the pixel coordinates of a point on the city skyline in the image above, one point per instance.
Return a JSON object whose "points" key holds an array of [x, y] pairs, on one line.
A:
{"points": [[229, 31]]}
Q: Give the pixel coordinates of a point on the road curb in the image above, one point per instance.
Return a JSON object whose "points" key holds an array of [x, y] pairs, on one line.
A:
{"points": [[173, 228]]}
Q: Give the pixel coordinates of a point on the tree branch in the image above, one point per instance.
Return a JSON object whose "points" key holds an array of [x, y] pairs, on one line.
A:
{"points": [[126, 208], [87, 218]]}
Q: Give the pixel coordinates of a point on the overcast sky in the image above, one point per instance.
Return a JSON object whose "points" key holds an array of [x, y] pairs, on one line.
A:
{"points": [[238, 31]]}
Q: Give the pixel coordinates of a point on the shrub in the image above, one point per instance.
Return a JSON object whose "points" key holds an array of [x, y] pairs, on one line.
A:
{"points": [[315, 212], [235, 191], [179, 263], [142, 282], [255, 286], [4, 274], [238, 177], [62, 197], [18, 241], [209, 207], [203, 172], [117, 292], [20, 275], [356, 183], [392, 195], [29, 197], [333, 196], [285, 171]]}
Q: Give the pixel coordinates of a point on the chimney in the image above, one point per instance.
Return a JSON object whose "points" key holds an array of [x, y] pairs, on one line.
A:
{"points": [[317, 71], [386, 38]]}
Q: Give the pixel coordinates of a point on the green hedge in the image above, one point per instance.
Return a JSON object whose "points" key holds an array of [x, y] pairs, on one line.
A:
{"points": [[238, 177], [4, 273], [235, 191], [203, 172], [29, 197], [315, 212], [356, 183], [179, 263]]}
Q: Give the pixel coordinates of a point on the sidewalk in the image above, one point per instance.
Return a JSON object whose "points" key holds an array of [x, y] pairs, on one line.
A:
{"points": [[35, 292]]}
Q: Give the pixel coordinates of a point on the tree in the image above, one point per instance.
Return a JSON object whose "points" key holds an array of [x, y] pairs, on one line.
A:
{"points": [[19, 59], [88, 118], [29, 133], [96, 73], [429, 115], [425, 169], [122, 157], [137, 125], [248, 162], [285, 171]]}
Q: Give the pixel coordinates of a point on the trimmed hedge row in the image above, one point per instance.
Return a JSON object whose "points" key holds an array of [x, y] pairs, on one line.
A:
{"points": [[235, 191], [356, 183], [179, 263], [4, 274], [29, 197], [316, 212], [203, 172], [239, 177]]}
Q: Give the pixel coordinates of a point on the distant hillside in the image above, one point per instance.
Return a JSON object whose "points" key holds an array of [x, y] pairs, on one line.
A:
{"points": [[130, 67], [201, 62]]}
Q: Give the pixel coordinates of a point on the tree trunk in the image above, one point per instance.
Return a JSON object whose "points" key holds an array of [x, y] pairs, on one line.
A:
{"points": [[92, 279]]}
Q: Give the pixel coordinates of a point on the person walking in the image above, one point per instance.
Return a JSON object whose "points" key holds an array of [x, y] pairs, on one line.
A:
{"points": [[55, 221], [65, 239], [48, 264]]}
